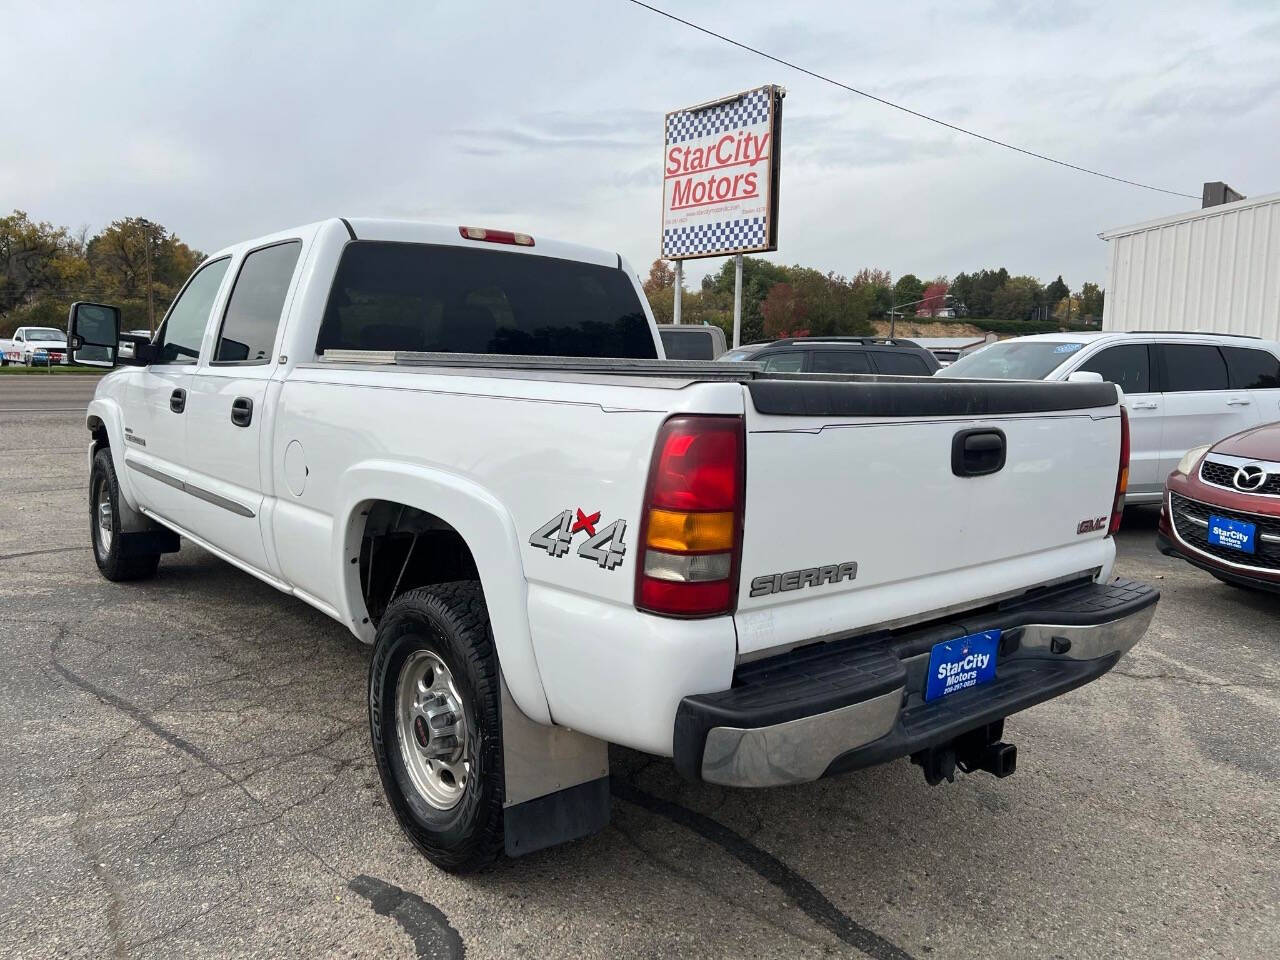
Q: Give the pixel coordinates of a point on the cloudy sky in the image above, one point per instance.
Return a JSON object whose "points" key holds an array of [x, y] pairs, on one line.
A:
{"points": [[230, 120]]}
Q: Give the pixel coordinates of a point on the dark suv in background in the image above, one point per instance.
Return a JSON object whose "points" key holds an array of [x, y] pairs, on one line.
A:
{"points": [[895, 356]]}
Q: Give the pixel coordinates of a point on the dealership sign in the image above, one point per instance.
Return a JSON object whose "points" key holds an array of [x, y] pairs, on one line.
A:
{"points": [[720, 176]]}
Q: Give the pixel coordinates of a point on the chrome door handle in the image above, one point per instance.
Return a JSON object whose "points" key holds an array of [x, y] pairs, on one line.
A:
{"points": [[1146, 406], [1238, 402]]}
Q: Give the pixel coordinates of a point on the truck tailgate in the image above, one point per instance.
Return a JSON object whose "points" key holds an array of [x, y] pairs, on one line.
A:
{"points": [[865, 472]]}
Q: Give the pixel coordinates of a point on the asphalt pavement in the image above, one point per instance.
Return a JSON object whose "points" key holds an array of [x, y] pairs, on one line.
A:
{"points": [[185, 771]]}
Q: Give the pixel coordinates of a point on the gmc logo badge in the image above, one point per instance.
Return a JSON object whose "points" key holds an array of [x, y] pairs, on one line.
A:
{"points": [[1092, 524]]}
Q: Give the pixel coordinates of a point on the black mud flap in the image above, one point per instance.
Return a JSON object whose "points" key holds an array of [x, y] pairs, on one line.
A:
{"points": [[559, 817]]}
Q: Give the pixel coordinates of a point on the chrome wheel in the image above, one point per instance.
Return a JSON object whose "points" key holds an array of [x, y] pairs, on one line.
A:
{"points": [[432, 730], [104, 518]]}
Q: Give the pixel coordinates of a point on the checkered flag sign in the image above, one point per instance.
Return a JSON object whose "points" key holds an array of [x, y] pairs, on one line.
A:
{"points": [[720, 176]]}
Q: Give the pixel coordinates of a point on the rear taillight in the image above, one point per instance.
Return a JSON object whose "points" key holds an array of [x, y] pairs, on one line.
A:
{"points": [[496, 236], [1122, 476], [691, 527]]}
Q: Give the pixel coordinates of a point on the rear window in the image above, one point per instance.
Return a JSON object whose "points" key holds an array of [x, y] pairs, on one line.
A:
{"points": [[410, 296], [901, 364], [687, 344], [1252, 369], [840, 361], [1013, 360], [1192, 367]]}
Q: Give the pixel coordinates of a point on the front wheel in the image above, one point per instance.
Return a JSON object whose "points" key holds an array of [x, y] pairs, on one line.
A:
{"points": [[111, 549], [435, 722]]}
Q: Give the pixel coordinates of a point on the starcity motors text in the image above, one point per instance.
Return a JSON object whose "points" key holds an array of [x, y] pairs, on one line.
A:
{"points": [[721, 162], [963, 671]]}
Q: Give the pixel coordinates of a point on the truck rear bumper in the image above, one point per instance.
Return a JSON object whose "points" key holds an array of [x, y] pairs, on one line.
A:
{"points": [[850, 703]]}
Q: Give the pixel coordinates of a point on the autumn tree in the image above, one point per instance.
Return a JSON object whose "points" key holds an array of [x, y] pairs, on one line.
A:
{"points": [[934, 297], [661, 277], [784, 312]]}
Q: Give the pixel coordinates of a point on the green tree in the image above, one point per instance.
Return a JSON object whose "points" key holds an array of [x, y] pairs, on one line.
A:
{"points": [[880, 284], [1017, 298], [908, 289], [1091, 301], [981, 287], [33, 259], [961, 289], [1056, 291]]}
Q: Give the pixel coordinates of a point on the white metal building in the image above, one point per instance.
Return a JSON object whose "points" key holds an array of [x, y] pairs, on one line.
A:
{"points": [[1214, 270]]}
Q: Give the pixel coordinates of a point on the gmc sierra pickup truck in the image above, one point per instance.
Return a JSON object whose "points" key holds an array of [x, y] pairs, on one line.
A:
{"points": [[465, 445]]}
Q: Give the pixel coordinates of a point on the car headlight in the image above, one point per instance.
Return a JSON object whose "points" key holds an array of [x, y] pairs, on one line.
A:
{"points": [[1191, 458]]}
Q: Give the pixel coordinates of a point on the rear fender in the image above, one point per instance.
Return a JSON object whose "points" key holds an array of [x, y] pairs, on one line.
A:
{"points": [[490, 534]]}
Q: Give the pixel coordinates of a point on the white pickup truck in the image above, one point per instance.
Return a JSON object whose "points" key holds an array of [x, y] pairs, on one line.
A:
{"points": [[465, 446], [34, 347]]}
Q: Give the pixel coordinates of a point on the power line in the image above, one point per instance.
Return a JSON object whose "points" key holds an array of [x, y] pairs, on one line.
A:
{"points": [[897, 106]]}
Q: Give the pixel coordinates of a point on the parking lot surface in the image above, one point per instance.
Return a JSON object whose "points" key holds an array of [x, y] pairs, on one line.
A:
{"points": [[185, 771]]}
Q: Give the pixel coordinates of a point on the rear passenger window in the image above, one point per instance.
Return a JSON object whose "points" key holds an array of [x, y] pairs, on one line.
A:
{"points": [[785, 362], [901, 364], [841, 361], [1252, 369], [253, 312], [1127, 366], [1193, 366]]}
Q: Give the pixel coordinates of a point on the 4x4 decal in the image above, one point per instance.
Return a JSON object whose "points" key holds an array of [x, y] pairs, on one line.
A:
{"points": [[605, 547]]}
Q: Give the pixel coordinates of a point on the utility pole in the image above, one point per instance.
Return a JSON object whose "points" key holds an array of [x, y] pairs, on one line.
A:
{"points": [[151, 305]]}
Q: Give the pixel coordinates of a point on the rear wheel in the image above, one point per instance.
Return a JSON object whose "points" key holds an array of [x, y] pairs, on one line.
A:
{"points": [[112, 548], [435, 723]]}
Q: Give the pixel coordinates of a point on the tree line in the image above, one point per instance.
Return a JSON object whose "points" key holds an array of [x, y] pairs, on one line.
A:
{"points": [[132, 263], [780, 301]]}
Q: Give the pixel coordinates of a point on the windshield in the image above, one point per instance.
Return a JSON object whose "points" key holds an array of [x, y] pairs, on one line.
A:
{"points": [[738, 355], [45, 333], [1012, 360], [447, 299]]}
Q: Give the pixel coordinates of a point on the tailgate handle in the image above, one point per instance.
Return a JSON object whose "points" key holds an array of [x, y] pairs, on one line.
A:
{"points": [[976, 453]]}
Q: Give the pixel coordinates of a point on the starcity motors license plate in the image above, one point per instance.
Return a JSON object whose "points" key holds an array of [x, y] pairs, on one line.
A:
{"points": [[963, 664], [1232, 534]]}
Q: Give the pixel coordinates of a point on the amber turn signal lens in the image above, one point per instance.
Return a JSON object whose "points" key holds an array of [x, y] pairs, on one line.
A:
{"points": [[690, 532]]}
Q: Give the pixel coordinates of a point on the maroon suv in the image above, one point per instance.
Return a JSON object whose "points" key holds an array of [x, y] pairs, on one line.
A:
{"points": [[1221, 509]]}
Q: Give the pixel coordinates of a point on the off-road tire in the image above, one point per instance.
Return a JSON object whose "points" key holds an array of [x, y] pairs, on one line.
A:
{"points": [[451, 621], [117, 562]]}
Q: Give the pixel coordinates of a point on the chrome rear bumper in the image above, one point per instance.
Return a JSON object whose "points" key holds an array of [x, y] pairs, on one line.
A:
{"points": [[885, 715]]}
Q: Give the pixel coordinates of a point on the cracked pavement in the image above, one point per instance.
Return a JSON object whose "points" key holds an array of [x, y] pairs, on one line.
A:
{"points": [[185, 771]]}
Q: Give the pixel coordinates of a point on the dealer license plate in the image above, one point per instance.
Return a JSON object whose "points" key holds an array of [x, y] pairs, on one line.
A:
{"points": [[1233, 534], [963, 664]]}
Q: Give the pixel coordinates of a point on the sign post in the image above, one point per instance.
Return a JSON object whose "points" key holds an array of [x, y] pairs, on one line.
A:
{"points": [[678, 292], [720, 183]]}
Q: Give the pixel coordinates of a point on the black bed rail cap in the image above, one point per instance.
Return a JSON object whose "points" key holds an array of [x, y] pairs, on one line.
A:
{"points": [[922, 397]]}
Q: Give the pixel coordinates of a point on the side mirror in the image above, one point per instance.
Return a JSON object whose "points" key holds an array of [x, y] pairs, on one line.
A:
{"points": [[1084, 376], [93, 334]]}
